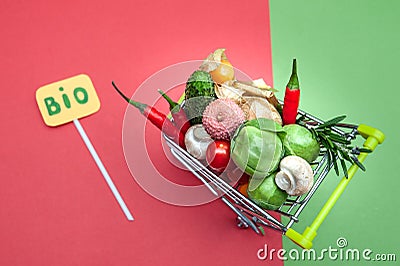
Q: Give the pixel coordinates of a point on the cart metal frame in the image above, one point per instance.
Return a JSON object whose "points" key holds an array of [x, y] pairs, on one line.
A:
{"points": [[249, 215]]}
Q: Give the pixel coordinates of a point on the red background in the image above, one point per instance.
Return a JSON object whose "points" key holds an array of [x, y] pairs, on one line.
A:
{"points": [[55, 207]]}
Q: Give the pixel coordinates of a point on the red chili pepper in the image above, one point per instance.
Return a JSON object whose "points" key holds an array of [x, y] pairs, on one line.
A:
{"points": [[180, 119], [292, 98], [158, 119]]}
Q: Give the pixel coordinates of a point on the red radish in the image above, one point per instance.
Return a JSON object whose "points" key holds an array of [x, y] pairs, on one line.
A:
{"points": [[218, 155], [292, 98]]}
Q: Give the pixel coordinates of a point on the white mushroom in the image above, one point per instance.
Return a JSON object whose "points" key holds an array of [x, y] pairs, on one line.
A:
{"points": [[197, 141], [295, 176]]}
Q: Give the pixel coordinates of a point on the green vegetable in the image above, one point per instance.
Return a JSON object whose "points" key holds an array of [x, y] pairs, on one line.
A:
{"points": [[199, 93], [268, 195], [257, 149], [301, 142]]}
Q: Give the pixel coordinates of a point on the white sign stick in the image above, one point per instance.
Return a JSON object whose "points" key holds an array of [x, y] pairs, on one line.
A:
{"points": [[103, 170]]}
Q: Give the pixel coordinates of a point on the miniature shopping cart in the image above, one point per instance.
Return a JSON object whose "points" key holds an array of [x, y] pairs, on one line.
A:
{"points": [[249, 215]]}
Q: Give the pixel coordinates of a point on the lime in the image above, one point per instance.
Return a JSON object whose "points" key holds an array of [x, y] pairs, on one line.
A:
{"points": [[301, 142], [268, 195]]}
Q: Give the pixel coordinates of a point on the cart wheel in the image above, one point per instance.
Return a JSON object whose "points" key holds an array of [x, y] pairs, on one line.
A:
{"points": [[241, 224]]}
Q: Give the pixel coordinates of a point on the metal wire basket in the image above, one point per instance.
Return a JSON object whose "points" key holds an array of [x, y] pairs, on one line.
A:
{"points": [[249, 215]]}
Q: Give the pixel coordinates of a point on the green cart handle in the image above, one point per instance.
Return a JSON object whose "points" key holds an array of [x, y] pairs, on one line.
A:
{"points": [[373, 137]]}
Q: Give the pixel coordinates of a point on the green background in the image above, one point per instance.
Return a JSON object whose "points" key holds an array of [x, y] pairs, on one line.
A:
{"points": [[348, 54]]}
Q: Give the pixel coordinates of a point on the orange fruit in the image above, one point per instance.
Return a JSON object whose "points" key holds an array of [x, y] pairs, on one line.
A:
{"points": [[223, 72], [243, 189]]}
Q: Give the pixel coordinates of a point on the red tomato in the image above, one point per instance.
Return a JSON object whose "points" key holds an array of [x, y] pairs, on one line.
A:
{"points": [[218, 154]]}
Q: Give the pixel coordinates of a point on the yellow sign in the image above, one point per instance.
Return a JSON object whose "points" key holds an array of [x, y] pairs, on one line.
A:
{"points": [[63, 101]]}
